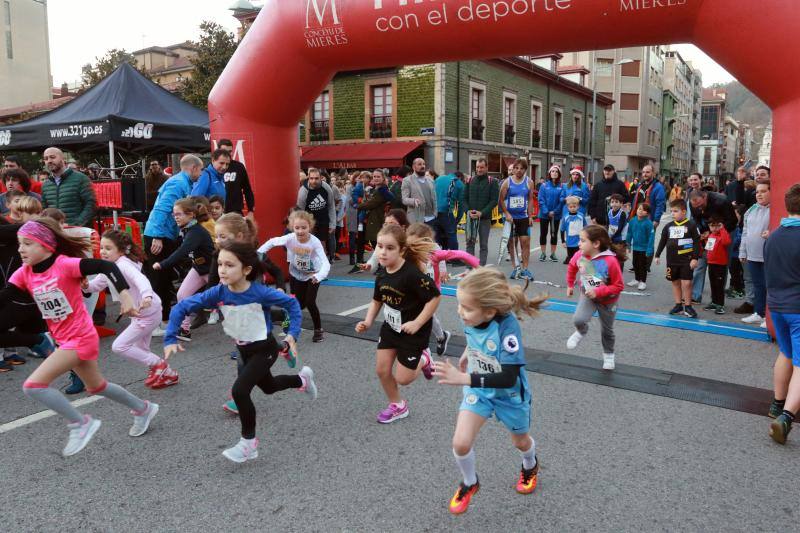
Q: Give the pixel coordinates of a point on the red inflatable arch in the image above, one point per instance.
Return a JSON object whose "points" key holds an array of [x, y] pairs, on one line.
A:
{"points": [[296, 46]]}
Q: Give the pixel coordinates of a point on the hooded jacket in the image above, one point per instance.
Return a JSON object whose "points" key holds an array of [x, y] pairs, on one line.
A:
{"points": [[602, 191], [602, 273], [160, 223], [211, 183], [550, 200]]}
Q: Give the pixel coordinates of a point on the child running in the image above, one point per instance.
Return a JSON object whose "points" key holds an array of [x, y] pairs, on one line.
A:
{"points": [[134, 343], [308, 264], [492, 372], [409, 299], [682, 241], [641, 235], [198, 246], [52, 271], [246, 308], [600, 287]]}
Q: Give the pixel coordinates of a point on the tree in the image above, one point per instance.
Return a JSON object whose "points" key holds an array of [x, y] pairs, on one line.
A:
{"points": [[214, 50], [105, 65]]}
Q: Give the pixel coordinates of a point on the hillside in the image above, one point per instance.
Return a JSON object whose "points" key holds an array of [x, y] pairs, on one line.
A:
{"points": [[746, 107]]}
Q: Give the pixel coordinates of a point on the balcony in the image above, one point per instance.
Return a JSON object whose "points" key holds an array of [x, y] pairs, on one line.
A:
{"points": [[380, 127], [320, 131], [509, 134], [536, 139], [477, 129]]}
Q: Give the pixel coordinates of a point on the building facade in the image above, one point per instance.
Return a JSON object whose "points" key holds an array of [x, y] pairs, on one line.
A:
{"points": [[765, 151], [677, 122], [24, 53], [168, 66], [719, 137], [454, 114]]}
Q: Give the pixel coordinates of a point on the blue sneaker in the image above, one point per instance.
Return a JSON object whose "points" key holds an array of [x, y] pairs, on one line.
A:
{"points": [[288, 354], [515, 273], [234, 355], [526, 274], [44, 348], [76, 386], [230, 406]]}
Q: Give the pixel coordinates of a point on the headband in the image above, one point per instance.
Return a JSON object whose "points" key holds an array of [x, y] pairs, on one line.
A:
{"points": [[36, 231]]}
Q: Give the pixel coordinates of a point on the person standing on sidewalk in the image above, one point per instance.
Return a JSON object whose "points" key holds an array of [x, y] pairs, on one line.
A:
{"points": [[419, 195], [704, 206], [449, 197], [754, 235], [601, 195], [480, 198], [237, 183]]}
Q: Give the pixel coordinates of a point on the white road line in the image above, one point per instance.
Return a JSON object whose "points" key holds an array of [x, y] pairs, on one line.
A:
{"points": [[24, 421], [536, 249], [354, 310]]}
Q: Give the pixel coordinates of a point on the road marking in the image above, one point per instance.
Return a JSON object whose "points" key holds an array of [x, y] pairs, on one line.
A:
{"points": [[536, 249], [30, 419], [354, 310]]}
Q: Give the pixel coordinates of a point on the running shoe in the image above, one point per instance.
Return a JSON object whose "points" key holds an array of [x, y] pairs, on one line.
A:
{"points": [[230, 406], [393, 411], [720, 310], [142, 421], [632, 283], [80, 434], [44, 348], [441, 344], [234, 355], [154, 373], [689, 311], [5, 367], [542, 257], [76, 385], [286, 322], [775, 409], [427, 368], [462, 497], [745, 309], [710, 307], [14, 359], [184, 335], [526, 275], [553, 258], [515, 273], [574, 340], [317, 336], [243, 451], [755, 318], [642, 286], [309, 386], [528, 479], [165, 379], [213, 317], [159, 331], [288, 354], [608, 361], [677, 310], [354, 270], [780, 428]]}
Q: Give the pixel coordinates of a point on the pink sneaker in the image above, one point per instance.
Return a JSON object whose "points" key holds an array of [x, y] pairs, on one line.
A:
{"points": [[393, 412], [427, 367]]}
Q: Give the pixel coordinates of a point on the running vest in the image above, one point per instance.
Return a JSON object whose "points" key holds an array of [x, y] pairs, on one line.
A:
{"points": [[613, 222], [517, 198]]}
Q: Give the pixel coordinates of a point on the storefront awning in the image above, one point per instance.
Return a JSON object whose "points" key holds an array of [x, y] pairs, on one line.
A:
{"points": [[360, 155]]}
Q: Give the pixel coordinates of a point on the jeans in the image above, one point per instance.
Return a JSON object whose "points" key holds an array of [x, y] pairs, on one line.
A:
{"points": [[446, 231], [757, 275], [749, 290], [699, 279], [734, 265], [483, 234]]}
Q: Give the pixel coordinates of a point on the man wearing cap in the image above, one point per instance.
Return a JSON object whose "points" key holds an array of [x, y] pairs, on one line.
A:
{"points": [[602, 191]]}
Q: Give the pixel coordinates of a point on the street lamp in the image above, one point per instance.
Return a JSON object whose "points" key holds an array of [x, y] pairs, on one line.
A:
{"points": [[593, 166]]}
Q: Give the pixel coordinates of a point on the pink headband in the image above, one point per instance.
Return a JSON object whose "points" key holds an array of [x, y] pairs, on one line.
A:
{"points": [[36, 231]]}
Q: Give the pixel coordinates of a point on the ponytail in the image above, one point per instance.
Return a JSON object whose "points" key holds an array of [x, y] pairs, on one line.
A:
{"points": [[490, 289]]}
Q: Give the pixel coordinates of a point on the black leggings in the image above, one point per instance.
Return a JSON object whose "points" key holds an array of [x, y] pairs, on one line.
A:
{"points": [[254, 371], [544, 225], [306, 294], [26, 321], [161, 280]]}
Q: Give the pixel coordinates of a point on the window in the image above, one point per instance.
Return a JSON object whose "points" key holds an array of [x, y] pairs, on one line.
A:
{"points": [[477, 108], [7, 12], [382, 105], [604, 67], [9, 47], [509, 118], [576, 133], [536, 125], [558, 129], [628, 134], [629, 101], [608, 134], [707, 161], [631, 69], [322, 107], [320, 118]]}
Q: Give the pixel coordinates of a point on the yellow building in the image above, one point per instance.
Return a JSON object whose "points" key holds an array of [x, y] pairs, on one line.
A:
{"points": [[167, 65]]}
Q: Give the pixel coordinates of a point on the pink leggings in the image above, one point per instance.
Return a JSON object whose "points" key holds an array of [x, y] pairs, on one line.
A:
{"points": [[134, 342], [192, 283]]}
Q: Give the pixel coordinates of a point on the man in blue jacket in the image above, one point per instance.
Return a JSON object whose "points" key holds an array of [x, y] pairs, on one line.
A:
{"points": [[161, 231], [212, 180], [449, 195]]}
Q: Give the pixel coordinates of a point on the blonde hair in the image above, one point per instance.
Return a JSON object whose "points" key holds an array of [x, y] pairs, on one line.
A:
{"points": [[573, 200], [490, 290], [236, 223], [302, 215], [416, 250], [29, 205], [420, 231]]}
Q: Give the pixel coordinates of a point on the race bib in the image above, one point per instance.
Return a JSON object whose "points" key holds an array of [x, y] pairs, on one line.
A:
{"points": [[52, 304], [612, 230], [710, 243], [685, 242], [480, 363], [516, 202], [575, 228], [676, 232], [590, 282], [302, 262], [245, 323], [393, 317]]}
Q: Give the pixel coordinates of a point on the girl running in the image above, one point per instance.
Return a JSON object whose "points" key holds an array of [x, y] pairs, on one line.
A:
{"points": [[197, 245], [600, 287], [308, 264], [52, 271], [246, 308], [492, 372], [134, 343], [409, 299]]}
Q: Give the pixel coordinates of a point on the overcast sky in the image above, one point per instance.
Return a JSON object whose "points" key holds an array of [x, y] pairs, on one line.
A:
{"points": [[96, 26]]}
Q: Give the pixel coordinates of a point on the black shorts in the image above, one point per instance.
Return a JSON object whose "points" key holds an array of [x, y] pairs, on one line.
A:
{"points": [[520, 227], [409, 348], [679, 273]]}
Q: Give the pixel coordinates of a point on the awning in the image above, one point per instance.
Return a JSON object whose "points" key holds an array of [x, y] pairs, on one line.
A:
{"points": [[360, 155]]}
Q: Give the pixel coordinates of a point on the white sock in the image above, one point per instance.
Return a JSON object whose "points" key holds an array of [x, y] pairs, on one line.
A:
{"points": [[250, 442], [466, 464], [529, 457]]}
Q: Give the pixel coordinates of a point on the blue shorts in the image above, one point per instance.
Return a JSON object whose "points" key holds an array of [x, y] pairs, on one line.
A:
{"points": [[511, 410], [787, 333]]}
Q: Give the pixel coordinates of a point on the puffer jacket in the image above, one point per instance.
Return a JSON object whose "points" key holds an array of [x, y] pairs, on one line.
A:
{"points": [[73, 195], [550, 200], [581, 191]]}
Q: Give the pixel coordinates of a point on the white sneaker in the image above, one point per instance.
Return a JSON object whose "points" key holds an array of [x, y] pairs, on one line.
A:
{"points": [[608, 361], [142, 422], [763, 324], [213, 317], [309, 387], [159, 331], [80, 435], [574, 340], [632, 283], [244, 450], [642, 286], [755, 318]]}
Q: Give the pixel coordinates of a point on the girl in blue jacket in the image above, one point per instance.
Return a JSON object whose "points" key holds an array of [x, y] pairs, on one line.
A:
{"points": [[550, 207]]}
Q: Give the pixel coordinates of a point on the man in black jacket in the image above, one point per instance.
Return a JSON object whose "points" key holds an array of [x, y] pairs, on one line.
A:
{"points": [[237, 183], [602, 191], [705, 205]]}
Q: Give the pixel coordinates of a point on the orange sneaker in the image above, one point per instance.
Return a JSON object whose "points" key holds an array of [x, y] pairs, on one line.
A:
{"points": [[165, 379], [527, 479], [462, 497], [155, 373]]}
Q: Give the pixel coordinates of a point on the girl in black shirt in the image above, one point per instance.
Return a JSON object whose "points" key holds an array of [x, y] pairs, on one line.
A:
{"points": [[409, 299]]}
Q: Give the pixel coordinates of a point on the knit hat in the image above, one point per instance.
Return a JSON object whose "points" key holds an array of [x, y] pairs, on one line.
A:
{"points": [[577, 170], [554, 167], [36, 231]]}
